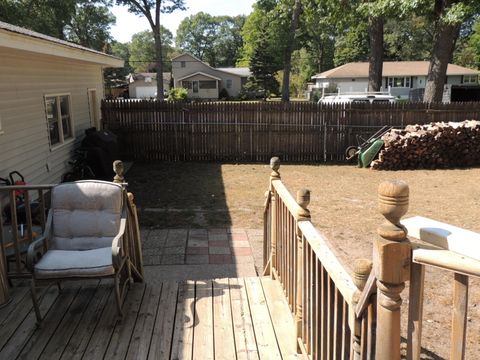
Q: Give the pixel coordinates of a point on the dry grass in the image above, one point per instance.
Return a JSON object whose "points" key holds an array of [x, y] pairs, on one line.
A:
{"points": [[343, 206]]}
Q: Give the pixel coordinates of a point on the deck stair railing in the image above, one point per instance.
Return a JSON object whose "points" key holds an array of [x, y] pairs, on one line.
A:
{"points": [[339, 316], [13, 244], [334, 314]]}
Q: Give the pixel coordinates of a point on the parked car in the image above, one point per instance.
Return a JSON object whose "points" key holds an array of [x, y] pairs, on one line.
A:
{"points": [[356, 98]]}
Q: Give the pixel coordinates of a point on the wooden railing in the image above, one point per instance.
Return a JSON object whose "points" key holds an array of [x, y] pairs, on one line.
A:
{"points": [[451, 249], [358, 317], [15, 245], [334, 318]]}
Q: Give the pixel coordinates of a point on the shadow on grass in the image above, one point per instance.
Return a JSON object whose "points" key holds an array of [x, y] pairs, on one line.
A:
{"points": [[179, 195]]}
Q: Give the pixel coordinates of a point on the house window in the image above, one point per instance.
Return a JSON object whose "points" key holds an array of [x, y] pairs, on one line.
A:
{"points": [[399, 81], [183, 64], [187, 84], [195, 86], [470, 79], [229, 83], [208, 84], [59, 118]]}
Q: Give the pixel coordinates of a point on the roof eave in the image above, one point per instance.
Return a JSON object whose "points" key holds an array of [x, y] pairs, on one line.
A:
{"points": [[19, 41]]}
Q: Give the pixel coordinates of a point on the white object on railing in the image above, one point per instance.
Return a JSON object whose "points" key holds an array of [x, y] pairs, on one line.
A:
{"points": [[445, 236]]}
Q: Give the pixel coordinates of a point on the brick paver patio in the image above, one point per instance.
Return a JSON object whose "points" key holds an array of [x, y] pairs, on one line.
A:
{"points": [[200, 246]]}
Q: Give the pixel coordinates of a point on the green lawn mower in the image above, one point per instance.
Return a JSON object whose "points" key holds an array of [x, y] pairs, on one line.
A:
{"points": [[367, 150]]}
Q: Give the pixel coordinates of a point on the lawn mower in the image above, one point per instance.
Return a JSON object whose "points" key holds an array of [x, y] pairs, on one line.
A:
{"points": [[366, 150]]}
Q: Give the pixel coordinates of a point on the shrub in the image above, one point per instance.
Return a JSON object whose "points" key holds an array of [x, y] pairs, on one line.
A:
{"points": [[178, 94], [223, 95]]}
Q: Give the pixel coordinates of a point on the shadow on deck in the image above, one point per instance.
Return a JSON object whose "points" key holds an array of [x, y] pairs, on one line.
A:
{"points": [[243, 318]]}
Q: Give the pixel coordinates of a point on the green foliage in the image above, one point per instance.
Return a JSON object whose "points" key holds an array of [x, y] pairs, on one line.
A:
{"points": [[86, 22], [178, 94], [352, 44], [214, 39], [223, 95], [408, 39], [263, 67], [142, 50], [468, 53], [117, 76]]}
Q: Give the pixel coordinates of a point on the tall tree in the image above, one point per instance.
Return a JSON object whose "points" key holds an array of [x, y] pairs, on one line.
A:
{"points": [[375, 58], [446, 33], [214, 39], [289, 47], [142, 50], [145, 8], [86, 22]]}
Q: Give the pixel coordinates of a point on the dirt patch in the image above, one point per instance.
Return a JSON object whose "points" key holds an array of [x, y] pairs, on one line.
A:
{"points": [[343, 206]]}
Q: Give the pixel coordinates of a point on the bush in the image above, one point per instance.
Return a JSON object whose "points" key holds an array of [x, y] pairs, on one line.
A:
{"points": [[178, 94], [223, 95]]}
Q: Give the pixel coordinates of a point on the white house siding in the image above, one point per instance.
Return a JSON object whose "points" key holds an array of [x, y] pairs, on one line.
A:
{"points": [[202, 93], [192, 66], [142, 89], [24, 80]]}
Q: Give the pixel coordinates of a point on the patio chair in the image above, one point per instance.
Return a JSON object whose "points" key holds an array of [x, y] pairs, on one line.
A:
{"points": [[83, 238]]}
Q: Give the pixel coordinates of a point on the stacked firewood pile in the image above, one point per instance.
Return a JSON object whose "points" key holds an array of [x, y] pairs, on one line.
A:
{"points": [[432, 146]]}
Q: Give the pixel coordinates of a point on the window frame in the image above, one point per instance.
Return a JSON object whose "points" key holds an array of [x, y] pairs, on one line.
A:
{"points": [[62, 140], [470, 78], [202, 83], [183, 64], [229, 83]]}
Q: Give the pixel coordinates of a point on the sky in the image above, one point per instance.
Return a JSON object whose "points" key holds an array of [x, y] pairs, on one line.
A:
{"points": [[129, 24]]}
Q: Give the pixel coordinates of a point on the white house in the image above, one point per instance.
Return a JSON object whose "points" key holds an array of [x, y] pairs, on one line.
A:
{"points": [[205, 82], [399, 76], [50, 93], [144, 85]]}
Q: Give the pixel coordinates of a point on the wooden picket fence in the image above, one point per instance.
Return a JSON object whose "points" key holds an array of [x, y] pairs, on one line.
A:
{"points": [[252, 132]]}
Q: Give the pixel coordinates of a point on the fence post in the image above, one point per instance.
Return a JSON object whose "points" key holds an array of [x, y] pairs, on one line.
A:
{"points": [[361, 271], [274, 175], [303, 214], [391, 263]]}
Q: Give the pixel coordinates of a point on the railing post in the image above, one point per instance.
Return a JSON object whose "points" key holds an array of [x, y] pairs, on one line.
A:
{"points": [[119, 170], [274, 175], [303, 199], [391, 263], [361, 271]]}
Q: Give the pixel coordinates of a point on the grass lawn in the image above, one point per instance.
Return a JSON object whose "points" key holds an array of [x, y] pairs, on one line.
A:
{"points": [[343, 207]]}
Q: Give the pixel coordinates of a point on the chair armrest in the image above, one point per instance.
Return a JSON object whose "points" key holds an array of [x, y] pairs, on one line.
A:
{"points": [[42, 241], [117, 242], [32, 254]]}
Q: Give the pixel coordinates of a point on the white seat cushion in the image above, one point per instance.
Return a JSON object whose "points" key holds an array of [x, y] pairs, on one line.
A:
{"points": [[67, 263]]}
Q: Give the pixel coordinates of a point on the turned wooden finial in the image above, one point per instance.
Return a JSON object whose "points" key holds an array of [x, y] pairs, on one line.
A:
{"points": [[393, 204], [303, 199], [119, 171], [275, 166], [361, 271]]}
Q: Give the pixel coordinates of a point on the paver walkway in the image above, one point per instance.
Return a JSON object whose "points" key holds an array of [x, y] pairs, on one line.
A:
{"points": [[200, 246]]}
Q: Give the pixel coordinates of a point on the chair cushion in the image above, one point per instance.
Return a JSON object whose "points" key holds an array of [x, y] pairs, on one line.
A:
{"points": [[65, 263], [86, 214]]}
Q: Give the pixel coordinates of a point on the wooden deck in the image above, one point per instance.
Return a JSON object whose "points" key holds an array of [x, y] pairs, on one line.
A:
{"points": [[238, 318]]}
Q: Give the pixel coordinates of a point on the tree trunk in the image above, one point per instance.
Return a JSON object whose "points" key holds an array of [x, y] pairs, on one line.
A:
{"points": [[375, 67], [287, 55], [158, 62], [444, 43]]}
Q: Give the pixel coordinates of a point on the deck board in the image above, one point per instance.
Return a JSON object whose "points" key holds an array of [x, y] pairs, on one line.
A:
{"points": [[212, 319]]}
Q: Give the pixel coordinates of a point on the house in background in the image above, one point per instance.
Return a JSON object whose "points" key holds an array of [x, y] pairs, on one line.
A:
{"points": [[144, 85], [401, 77], [205, 82], [50, 93]]}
